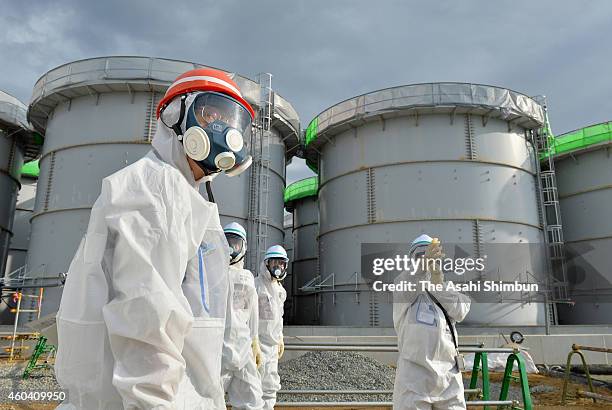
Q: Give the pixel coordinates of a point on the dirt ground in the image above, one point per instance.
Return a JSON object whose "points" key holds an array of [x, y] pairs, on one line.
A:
{"points": [[542, 401], [552, 400]]}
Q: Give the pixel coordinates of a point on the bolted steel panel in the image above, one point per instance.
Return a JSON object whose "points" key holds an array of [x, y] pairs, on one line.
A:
{"points": [[391, 179], [305, 232], [21, 225], [584, 181], [11, 161]]}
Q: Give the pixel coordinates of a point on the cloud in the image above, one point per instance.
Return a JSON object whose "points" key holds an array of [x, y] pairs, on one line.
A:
{"points": [[323, 52]]}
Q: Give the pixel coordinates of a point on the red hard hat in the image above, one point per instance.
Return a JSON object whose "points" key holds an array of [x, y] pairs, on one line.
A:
{"points": [[204, 79]]}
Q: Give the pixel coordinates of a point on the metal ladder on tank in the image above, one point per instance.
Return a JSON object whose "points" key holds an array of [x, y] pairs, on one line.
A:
{"points": [[259, 184], [551, 218]]}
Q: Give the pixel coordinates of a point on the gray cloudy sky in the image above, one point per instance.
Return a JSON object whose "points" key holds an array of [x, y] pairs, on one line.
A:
{"points": [[322, 52]]}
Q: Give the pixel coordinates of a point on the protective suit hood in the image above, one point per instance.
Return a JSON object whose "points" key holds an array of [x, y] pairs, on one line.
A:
{"points": [[169, 148]]}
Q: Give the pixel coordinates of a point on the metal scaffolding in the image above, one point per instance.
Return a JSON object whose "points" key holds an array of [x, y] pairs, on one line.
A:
{"points": [[29, 285]]}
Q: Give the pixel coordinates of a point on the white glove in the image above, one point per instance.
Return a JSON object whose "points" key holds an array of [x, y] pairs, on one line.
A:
{"points": [[281, 349], [434, 254], [256, 352]]}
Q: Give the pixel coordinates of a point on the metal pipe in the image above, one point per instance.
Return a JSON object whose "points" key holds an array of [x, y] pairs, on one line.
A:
{"points": [[347, 344], [491, 403], [467, 345], [342, 348], [336, 347], [382, 403], [315, 391], [334, 404], [15, 287], [481, 344], [591, 348], [597, 396]]}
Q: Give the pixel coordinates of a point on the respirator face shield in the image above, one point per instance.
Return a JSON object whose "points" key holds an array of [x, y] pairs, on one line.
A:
{"points": [[277, 267], [217, 132], [237, 245], [210, 107]]}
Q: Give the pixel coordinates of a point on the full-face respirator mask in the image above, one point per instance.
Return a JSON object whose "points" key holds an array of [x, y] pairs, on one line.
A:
{"points": [[217, 131]]}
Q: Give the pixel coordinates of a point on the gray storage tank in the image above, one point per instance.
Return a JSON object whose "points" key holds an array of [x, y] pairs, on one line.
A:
{"points": [[23, 212], [450, 159], [301, 200], [18, 247], [18, 143], [584, 181], [99, 115]]}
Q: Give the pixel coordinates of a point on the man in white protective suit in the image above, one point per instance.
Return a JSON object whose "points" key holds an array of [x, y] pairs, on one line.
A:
{"points": [[241, 352], [429, 365], [142, 316], [271, 296]]}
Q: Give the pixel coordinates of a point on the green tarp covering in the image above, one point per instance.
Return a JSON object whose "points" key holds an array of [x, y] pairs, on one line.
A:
{"points": [[582, 138], [30, 169], [311, 131], [302, 189]]}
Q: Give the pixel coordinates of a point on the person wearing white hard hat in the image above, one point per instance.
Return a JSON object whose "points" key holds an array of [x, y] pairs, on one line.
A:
{"points": [[271, 296], [241, 352], [429, 365], [142, 316]]}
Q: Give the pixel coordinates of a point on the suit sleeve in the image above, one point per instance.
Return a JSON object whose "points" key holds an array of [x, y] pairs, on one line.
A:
{"points": [[456, 304]]}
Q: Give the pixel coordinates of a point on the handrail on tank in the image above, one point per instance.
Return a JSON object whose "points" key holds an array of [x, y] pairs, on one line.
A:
{"points": [[341, 347]]}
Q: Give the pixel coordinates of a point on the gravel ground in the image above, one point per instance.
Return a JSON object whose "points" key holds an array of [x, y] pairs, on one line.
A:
{"points": [[314, 370], [347, 371], [335, 371], [10, 379]]}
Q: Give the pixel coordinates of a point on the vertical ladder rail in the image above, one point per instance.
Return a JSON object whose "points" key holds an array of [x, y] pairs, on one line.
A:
{"points": [[259, 185], [551, 216]]}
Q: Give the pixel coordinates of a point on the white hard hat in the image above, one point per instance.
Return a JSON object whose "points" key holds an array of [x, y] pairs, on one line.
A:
{"points": [[420, 242], [276, 251], [235, 228]]}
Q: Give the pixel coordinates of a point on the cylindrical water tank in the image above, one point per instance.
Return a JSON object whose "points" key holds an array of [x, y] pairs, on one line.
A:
{"points": [[99, 115], [301, 200], [18, 247], [17, 143], [449, 159], [23, 212], [584, 181]]}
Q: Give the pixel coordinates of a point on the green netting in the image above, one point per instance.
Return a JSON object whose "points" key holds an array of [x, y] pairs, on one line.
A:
{"points": [[30, 169], [582, 138], [311, 131], [302, 189]]}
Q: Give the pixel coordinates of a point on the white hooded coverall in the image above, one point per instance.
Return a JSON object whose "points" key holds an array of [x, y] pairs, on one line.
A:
{"points": [[427, 376], [239, 371], [142, 315], [271, 296]]}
